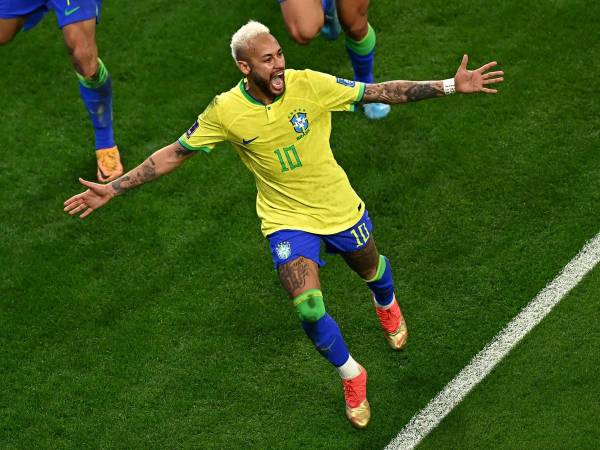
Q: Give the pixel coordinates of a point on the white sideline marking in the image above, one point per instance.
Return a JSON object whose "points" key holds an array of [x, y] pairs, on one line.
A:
{"points": [[482, 364]]}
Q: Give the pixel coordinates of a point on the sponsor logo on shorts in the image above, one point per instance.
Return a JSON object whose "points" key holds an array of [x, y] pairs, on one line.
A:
{"points": [[345, 82], [284, 250]]}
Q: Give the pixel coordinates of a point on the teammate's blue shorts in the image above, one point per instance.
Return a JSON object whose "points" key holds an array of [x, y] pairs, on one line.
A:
{"points": [[67, 11], [287, 245]]}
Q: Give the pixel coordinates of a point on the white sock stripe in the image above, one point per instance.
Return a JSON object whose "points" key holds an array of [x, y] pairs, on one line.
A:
{"points": [[349, 369], [384, 307], [482, 364]]}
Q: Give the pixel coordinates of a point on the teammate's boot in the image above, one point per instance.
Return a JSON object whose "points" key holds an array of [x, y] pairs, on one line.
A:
{"points": [[331, 28], [376, 111], [358, 410], [109, 164], [394, 326]]}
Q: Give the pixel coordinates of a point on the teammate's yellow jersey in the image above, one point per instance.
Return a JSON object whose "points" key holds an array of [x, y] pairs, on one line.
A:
{"points": [[286, 147]]}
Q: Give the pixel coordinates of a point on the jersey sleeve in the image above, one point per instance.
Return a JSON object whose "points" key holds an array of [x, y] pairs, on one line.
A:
{"points": [[335, 94], [206, 132]]}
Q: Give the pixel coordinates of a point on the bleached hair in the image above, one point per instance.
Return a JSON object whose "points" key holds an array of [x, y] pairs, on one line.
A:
{"points": [[240, 39]]}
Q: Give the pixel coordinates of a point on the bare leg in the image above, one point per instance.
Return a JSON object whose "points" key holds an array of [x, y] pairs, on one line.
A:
{"points": [[80, 38], [299, 275], [303, 19], [364, 261], [9, 28], [353, 15]]}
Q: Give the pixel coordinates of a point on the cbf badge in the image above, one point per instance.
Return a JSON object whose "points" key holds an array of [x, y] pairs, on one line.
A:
{"points": [[299, 120], [283, 250]]}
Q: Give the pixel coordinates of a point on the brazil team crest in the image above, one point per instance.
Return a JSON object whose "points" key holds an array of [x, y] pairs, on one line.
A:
{"points": [[299, 120], [284, 250]]}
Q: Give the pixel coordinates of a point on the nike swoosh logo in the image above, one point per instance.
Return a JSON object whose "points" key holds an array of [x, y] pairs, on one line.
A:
{"points": [[102, 173], [249, 141], [68, 12]]}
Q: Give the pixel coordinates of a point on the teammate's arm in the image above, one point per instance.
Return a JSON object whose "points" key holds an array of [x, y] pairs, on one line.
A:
{"points": [[161, 162], [465, 82]]}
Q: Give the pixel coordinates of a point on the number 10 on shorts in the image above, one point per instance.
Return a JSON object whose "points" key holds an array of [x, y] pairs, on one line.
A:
{"points": [[364, 234]]}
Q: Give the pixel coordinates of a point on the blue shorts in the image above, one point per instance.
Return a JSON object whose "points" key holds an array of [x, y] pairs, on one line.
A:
{"points": [[287, 245], [67, 11]]}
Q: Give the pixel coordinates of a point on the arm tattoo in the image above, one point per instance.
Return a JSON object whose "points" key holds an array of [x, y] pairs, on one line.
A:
{"points": [[293, 275], [392, 92], [141, 174], [182, 152]]}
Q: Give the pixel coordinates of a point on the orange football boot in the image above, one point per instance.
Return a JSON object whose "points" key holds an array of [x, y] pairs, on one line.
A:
{"points": [[109, 164], [392, 322], [358, 410]]}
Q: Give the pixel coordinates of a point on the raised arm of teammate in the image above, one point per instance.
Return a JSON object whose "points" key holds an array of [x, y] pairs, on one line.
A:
{"points": [[465, 82], [161, 162]]}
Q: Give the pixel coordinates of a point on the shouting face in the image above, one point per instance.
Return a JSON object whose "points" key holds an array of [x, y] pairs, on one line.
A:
{"points": [[263, 64]]}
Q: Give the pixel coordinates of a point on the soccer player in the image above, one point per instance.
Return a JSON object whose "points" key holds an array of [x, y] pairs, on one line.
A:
{"points": [[304, 20], [77, 20], [279, 122]]}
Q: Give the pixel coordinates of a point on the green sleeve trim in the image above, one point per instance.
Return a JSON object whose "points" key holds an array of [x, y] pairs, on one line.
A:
{"points": [[380, 270], [248, 96], [204, 148], [361, 93], [365, 45]]}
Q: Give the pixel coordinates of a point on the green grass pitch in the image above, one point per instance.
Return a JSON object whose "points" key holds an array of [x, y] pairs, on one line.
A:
{"points": [[158, 322]]}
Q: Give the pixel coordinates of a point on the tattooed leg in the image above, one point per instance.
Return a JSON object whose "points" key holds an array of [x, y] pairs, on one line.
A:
{"points": [[299, 275]]}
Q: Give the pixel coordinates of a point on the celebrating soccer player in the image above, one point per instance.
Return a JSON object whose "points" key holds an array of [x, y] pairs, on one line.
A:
{"points": [[279, 122], [304, 19], [77, 19]]}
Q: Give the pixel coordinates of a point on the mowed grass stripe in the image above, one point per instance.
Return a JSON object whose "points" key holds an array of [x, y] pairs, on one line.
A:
{"points": [[483, 363]]}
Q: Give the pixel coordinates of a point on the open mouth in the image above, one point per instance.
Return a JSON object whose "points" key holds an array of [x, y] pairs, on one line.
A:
{"points": [[277, 82]]}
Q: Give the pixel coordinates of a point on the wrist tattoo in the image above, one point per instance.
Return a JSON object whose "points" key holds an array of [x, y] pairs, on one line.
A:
{"points": [[142, 174]]}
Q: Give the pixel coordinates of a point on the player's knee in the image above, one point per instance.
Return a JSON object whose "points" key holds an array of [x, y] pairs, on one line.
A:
{"points": [[302, 33], [356, 30], [310, 306], [85, 60]]}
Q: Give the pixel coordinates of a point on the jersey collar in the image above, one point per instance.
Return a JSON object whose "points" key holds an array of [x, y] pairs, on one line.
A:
{"points": [[251, 99]]}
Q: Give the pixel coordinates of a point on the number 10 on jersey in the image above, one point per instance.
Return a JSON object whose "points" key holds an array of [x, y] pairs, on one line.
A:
{"points": [[291, 156]]}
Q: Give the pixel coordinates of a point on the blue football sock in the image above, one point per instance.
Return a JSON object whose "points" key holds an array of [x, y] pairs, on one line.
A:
{"points": [[362, 56], [382, 285], [328, 340], [96, 93]]}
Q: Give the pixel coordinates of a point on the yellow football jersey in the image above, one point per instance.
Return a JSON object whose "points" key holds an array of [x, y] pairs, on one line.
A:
{"points": [[286, 147]]}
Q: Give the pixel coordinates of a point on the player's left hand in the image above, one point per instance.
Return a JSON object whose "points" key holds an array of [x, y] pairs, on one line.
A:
{"points": [[470, 81]]}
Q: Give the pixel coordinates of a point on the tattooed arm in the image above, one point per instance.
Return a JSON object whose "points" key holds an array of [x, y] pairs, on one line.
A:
{"points": [[163, 161], [465, 82], [392, 92]]}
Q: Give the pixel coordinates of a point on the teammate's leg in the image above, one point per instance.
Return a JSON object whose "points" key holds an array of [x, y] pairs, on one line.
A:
{"points": [[16, 15], [95, 87], [303, 18], [376, 271], [360, 44], [9, 28], [300, 278]]}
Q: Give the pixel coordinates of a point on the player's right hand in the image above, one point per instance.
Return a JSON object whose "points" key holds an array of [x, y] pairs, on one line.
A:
{"points": [[96, 196]]}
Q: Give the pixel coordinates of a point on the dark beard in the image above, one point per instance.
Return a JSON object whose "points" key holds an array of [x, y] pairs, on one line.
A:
{"points": [[263, 86]]}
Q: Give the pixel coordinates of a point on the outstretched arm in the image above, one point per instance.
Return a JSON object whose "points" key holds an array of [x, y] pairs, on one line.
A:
{"points": [[465, 82], [161, 162]]}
